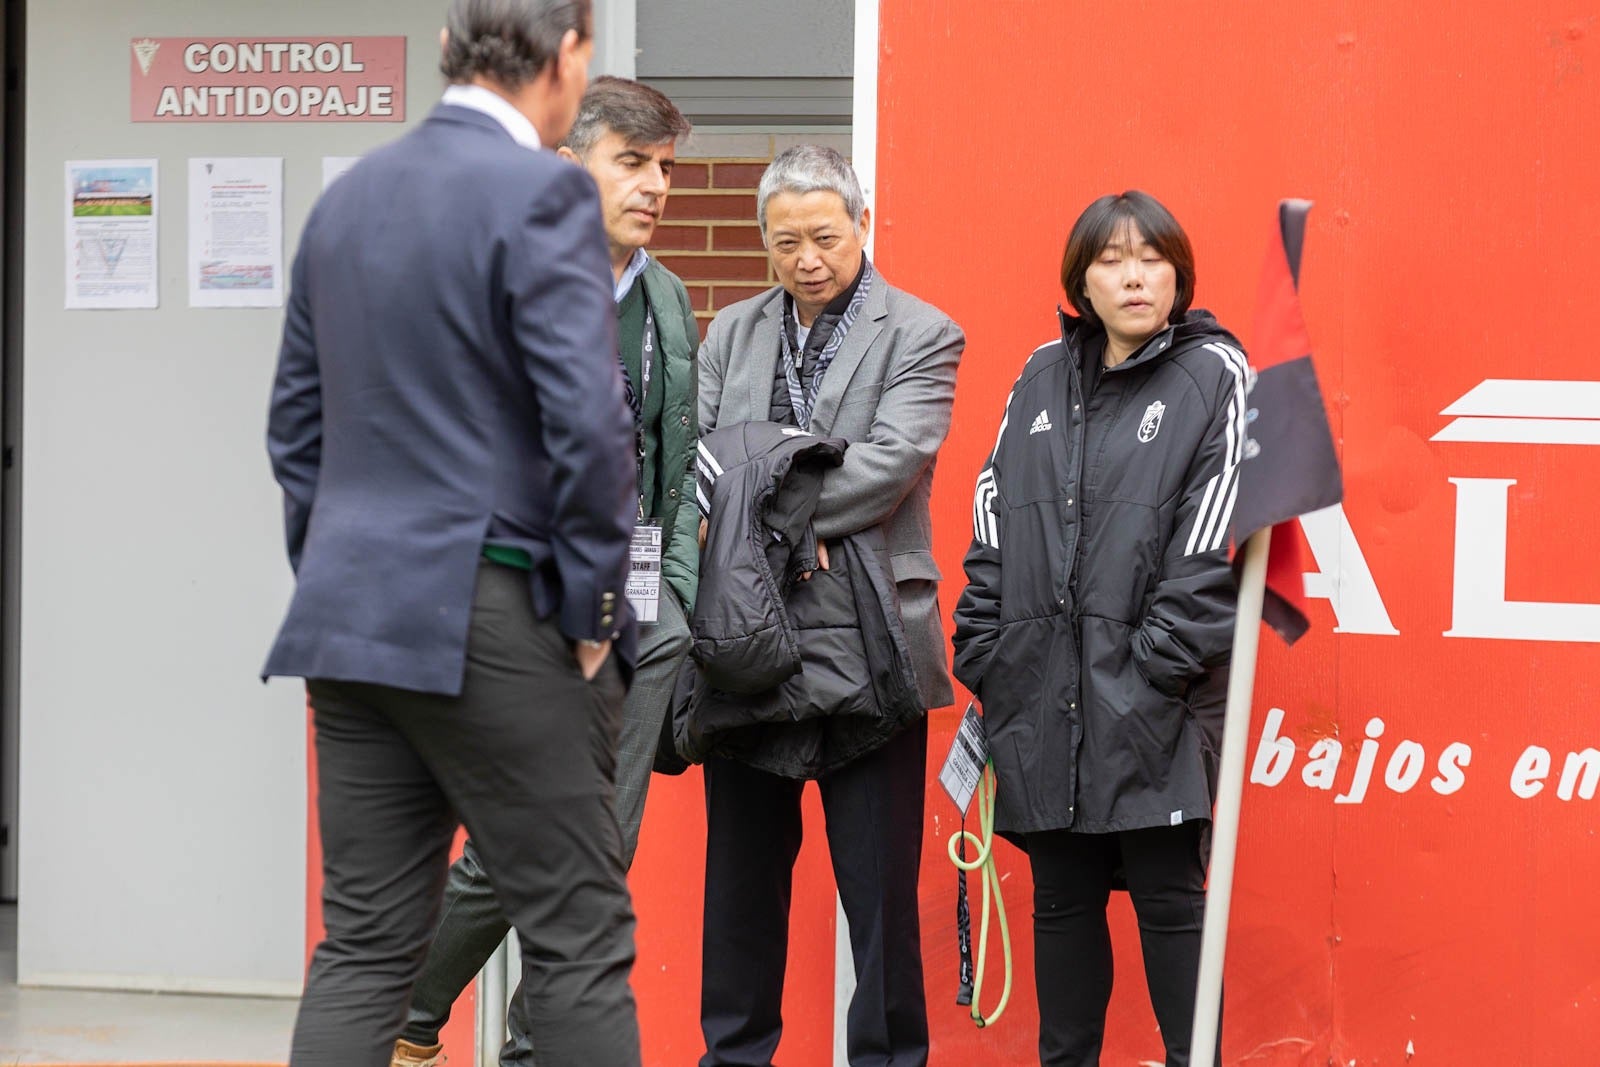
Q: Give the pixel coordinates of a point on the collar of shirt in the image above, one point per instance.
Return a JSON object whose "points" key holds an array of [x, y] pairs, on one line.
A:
{"points": [[496, 107], [630, 273]]}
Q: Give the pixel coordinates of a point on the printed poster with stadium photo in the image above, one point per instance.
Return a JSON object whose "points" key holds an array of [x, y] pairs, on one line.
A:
{"points": [[111, 219]]}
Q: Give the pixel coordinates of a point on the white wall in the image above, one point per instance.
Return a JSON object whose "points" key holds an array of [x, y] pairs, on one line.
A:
{"points": [[162, 824]]}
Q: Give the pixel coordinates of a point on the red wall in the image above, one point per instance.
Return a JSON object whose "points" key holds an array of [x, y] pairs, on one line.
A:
{"points": [[1452, 153]]}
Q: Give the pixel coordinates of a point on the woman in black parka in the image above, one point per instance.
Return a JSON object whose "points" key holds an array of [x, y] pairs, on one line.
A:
{"points": [[1096, 624]]}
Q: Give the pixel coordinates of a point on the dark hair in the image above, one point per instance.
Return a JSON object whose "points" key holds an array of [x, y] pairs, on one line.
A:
{"points": [[642, 115], [1103, 220], [510, 42]]}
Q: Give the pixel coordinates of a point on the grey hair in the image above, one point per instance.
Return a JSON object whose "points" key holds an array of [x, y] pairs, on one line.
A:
{"points": [[810, 168]]}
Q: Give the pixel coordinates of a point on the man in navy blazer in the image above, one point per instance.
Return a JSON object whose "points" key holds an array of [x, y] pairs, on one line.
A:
{"points": [[449, 427]]}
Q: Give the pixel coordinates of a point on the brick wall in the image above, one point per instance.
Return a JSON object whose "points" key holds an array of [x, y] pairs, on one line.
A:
{"points": [[709, 236]]}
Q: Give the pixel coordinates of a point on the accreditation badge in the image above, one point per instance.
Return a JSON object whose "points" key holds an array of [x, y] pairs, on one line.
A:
{"points": [[969, 754], [644, 572]]}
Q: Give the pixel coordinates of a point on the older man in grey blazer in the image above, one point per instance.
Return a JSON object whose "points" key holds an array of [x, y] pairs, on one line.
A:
{"points": [[834, 349]]}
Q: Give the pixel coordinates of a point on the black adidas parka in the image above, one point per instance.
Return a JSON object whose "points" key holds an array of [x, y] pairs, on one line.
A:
{"points": [[1097, 620]]}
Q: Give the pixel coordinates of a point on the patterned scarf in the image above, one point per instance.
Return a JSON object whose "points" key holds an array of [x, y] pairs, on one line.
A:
{"points": [[804, 399]]}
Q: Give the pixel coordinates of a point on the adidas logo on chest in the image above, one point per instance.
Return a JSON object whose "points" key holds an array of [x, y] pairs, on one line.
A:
{"points": [[1041, 423]]}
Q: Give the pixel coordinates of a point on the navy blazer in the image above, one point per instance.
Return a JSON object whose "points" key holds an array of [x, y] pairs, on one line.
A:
{"points": [[448, 375]]}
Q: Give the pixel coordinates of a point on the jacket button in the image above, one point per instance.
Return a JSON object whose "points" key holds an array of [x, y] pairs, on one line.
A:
{"points": [[1072, 706], [673, 493], [683, 420], [606, 620], [1069, 501]]}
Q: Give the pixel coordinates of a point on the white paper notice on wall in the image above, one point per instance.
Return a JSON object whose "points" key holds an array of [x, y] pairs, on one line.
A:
{"points": [[969, 754], [236, 232], [111, 232]]}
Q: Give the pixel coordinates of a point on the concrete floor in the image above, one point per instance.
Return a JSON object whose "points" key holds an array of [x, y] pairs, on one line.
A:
{"points": [[68, 1026]]}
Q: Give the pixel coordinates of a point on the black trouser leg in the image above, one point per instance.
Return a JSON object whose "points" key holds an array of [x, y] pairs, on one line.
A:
{"points": [[1072, 962], [1072, 943], [471, 925], [1168, 885], [874, 808], [753, 833], [526, 754], [533, 780], [386, 830]]}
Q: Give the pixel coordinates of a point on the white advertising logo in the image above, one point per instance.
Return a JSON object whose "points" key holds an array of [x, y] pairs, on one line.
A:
{"points": [[1496, 411]]}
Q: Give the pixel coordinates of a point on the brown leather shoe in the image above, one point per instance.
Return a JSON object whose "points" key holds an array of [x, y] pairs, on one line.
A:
{"points": [[408, 1055]]}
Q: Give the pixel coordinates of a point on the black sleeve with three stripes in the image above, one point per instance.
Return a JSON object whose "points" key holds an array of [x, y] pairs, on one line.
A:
{"points": [[977, 614], [1188, 628]]}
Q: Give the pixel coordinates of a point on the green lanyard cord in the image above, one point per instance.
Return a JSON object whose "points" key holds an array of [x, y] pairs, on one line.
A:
{"points": [[991, 892]]}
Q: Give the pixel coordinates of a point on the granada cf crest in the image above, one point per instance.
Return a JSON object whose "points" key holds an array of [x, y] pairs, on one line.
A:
{"points": [[1151, 424]]}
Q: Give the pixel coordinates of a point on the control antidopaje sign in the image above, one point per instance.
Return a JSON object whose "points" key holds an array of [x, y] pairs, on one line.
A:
{"points": [[267, 79]]}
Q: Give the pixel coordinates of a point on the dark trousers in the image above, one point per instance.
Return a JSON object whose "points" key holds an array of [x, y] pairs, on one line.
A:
{"points": [[472, 926], [1072, 882], [874, 823], [525, 756]]}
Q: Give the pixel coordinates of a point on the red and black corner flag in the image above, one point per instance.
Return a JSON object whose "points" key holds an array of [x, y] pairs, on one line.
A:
{"points": [[1290, 467]]}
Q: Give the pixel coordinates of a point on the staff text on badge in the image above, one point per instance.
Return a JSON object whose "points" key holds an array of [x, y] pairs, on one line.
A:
{"points": [[644, 572]]}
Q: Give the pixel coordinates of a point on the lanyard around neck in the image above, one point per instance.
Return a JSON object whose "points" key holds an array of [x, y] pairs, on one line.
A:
{"points": [[637, 398]]}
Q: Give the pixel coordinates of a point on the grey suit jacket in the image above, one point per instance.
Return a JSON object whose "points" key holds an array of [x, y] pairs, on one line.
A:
{"points": [[888, 392]]}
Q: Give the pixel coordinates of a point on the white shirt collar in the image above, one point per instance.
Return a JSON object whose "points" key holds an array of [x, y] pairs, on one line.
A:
{"points": [[630, 273], [496, 107]]}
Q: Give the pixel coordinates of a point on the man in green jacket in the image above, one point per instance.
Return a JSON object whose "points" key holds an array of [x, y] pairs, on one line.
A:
{"points": [[625, 136]]}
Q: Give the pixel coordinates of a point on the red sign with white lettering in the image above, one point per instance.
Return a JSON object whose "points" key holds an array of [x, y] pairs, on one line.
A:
{"points": [[268, 79], [1421, 836]]}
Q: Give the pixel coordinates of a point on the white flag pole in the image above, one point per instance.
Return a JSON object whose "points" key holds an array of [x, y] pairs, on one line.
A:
{"points": [[495, 985], [1230, 792]]}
